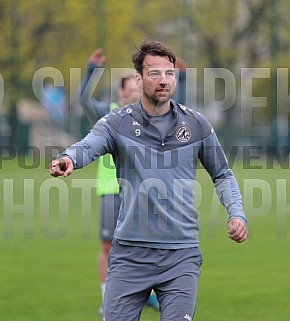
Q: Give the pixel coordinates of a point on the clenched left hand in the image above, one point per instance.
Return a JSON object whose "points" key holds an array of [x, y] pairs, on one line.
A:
{"points": [[237, 230]]}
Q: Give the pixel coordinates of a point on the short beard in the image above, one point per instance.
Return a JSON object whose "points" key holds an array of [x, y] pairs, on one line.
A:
{"points": [[156, 101]]}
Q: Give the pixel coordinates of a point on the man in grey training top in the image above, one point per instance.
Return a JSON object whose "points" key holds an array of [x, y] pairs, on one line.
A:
{"points": [[156, 144]]}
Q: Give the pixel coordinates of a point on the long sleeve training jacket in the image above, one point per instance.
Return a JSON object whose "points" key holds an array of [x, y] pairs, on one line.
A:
{"points": [[157, 177]]}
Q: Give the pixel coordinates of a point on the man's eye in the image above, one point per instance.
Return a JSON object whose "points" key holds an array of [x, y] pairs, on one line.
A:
{"points": [[154, 74]]}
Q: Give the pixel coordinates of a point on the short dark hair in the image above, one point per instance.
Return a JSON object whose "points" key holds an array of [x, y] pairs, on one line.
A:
{"points": [[154, 48]]}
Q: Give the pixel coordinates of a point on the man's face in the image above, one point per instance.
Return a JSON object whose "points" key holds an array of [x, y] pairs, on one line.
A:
{"points": [[158, 80]]}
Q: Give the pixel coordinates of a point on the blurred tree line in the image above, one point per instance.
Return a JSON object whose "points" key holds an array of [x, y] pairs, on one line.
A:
{"points": [[226, 34]]}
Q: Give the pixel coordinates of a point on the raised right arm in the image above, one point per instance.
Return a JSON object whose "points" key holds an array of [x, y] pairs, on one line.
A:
{"points": [[94, 108]]}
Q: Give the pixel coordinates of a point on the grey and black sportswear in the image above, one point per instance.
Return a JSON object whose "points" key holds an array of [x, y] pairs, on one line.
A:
{"points": [[157, 171]]}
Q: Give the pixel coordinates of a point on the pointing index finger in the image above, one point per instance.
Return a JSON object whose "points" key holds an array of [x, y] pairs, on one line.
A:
{"points": [[61, 163]]}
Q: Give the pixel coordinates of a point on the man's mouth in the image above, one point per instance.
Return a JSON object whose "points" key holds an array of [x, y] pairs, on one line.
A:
{"points": [[162, 90]]}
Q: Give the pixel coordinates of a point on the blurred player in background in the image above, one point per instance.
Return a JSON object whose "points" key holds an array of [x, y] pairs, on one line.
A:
{"points": [[108, 191]]}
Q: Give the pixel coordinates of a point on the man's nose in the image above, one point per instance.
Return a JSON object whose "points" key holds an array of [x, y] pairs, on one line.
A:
{"points": [[163, 78]]}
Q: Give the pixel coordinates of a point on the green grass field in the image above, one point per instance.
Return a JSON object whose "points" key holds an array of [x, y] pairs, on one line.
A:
{"points": [[48, 269]]}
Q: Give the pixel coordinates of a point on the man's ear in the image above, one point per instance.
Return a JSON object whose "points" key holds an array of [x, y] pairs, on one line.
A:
{"points": [[139, 80]]}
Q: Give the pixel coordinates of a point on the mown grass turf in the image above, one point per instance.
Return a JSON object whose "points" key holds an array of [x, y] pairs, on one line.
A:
{"points": [[48, 261]]}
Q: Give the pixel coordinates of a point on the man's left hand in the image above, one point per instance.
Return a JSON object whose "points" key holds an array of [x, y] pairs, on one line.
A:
{"points": [[237, 230]]}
